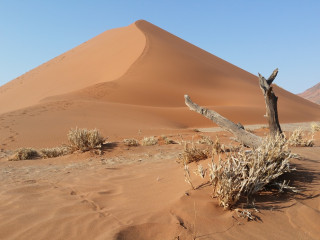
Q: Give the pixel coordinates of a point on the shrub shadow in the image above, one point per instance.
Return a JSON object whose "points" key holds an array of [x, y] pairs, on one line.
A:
{"points": [[107, 147], [303, 179]]}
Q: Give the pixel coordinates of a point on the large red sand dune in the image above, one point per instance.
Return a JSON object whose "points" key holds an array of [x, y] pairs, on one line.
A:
{"points": [[130, 79]]}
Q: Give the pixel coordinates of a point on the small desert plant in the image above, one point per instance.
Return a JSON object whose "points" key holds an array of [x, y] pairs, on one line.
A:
{"points": [[131, 142], [315, 127], [296, 139], [149, 141], [24, 154], [217, 147], [187, 177], [193, 154], [200, 171], [205, 140], [54, 152], [245, 173], [85, 140], [167, 140]]}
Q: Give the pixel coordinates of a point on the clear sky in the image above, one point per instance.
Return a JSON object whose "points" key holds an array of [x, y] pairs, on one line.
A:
{"points": [[256, 35]]}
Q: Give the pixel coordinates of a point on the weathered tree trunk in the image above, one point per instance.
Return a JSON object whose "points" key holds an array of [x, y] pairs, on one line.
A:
{"points": [[271, 102], [242, 135]]}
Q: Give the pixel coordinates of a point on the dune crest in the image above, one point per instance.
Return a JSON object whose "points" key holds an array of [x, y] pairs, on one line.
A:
{"points": [[130, 79], [102, 59], [312, 94]]}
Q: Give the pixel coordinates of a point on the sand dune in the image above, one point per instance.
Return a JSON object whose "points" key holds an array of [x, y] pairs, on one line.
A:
{"points": [[312, 94], [130, 82], [101, 59], [130, 79]]}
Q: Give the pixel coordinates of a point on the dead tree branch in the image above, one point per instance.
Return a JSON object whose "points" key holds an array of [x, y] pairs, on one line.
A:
{"points": [[242, 135], [271, 101]]}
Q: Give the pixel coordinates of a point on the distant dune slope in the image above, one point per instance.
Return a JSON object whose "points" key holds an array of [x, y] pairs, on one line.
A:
{"points": [[104, 58], [312, 94], [130, 79]]}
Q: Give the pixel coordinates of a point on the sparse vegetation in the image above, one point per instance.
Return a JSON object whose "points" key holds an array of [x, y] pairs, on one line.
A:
{"points": [[315, 127], [24, 154], [193, 154], [85, 140], [297, 140], [205, 140], [245, 173], [217, 147], [168, 140], [54, 152], [131, 142], [149, 141]]}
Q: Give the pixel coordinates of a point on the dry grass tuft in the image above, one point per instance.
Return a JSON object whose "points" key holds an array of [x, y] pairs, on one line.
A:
{"points": [[54, 152], [245, 173], [131, 142], [193, 154], [187, 177], [296, 139], [149, 141], [315, 127], [85, 140], [24, 154], [205, 140], [168, 140], [217, 147]]}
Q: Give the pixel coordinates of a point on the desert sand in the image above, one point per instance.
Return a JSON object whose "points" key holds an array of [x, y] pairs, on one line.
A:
{"points": [[129, 82], [140, 193]]}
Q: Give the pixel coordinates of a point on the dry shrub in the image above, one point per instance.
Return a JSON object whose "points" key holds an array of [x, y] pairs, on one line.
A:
{"points": [[193, 154], [296, 139], [217, 147], [205, 140], [168, 140], [24, 154], [149, 141], [131, 142], [245, 173], [54, 152], [315, 127], [85, 140]]}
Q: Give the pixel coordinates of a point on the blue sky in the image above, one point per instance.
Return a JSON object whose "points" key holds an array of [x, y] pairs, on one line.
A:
{"points": [[255, 35]]}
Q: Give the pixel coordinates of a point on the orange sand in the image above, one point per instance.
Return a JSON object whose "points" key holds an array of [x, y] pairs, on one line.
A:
{"points": [[130, 82], [138, 193]]}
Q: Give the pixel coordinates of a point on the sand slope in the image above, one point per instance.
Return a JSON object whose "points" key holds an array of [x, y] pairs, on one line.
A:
{"points": [[132, 79], [104, 58], [312, 94]]}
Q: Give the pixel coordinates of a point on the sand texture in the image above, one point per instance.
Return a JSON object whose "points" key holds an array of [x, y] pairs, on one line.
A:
{"points": [[129, 83], [139, 193]]}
